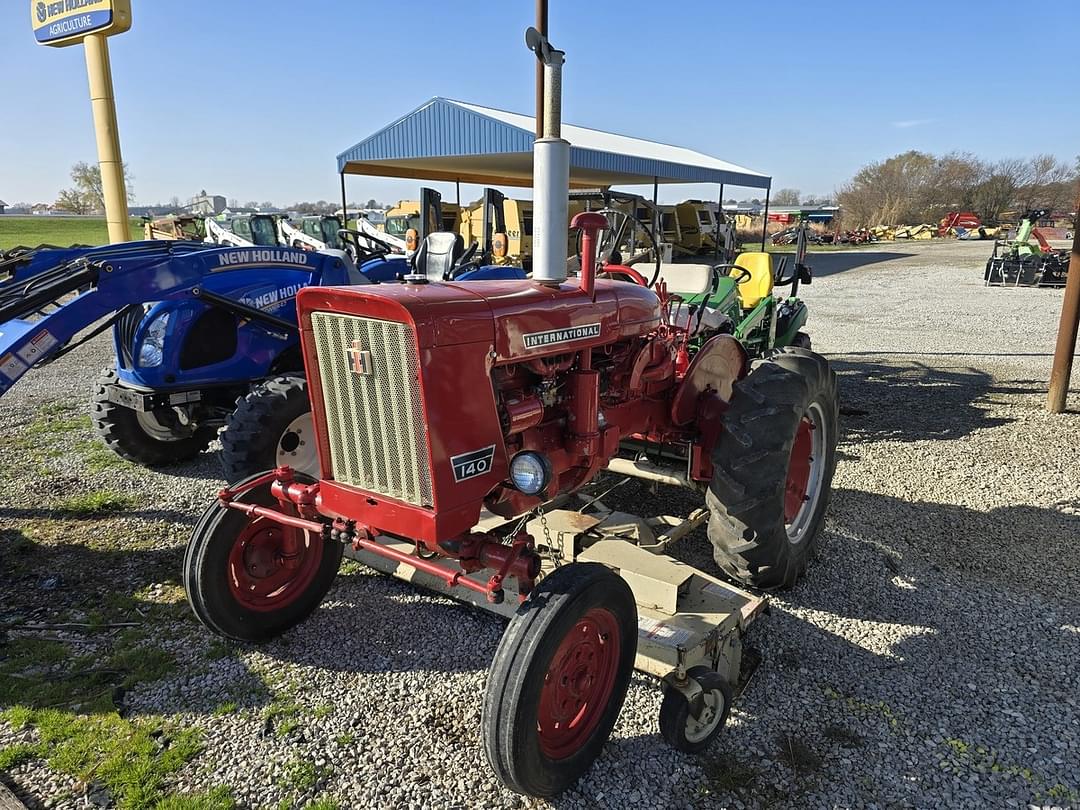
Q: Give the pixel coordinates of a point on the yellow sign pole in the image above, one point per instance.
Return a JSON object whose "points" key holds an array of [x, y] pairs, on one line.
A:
{"points": [[99, 73]]}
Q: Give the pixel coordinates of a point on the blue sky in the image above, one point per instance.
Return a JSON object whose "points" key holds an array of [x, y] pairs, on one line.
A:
{"points": [[255, 99]]}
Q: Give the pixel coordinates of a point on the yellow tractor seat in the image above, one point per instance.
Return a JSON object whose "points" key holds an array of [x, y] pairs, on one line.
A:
{"points": [[760, 283]]}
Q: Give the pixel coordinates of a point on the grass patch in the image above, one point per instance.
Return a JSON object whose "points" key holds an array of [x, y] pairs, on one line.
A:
{"points": [[132, 759], [98, 458], [228, 707], [98, 502], [17, 754], [220, 798], [301, 776], [63, 231], [345, 740]]}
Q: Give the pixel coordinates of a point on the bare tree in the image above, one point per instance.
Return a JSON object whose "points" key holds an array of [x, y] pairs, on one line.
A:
{"points": [[87, 179], [786, 196], [71, 201]]}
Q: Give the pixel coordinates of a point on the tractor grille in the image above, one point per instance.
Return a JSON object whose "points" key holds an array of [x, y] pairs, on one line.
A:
{"points": [[374, 416]]}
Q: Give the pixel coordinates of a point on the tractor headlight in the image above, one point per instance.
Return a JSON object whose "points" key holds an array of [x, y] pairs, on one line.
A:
{"points": [[530, 472], [151, 352]]}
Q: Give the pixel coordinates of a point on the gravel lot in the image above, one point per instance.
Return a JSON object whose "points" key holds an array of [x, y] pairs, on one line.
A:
{"points": [[929, 658]]}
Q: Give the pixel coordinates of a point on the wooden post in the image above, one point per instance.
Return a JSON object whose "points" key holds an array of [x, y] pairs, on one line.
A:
{"points": [[1067, 329]]}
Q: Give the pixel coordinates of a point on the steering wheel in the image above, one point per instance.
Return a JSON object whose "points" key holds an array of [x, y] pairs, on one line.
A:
{"points": [[466, 262], [352, 239], [744, 274], [622, 225]]}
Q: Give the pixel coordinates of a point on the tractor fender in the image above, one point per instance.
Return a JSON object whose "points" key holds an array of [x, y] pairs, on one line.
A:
{"points": [[717, 366]]}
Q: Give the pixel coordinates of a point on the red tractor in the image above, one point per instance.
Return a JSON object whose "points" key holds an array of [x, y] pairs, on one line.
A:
{"points": [[434, 403]]}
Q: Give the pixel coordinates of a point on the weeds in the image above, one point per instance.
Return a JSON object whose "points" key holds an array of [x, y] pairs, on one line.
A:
{"points": [[98, 502]]}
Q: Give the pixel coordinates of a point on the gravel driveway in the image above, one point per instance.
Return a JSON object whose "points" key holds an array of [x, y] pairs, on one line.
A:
{"points": [[929, 658]]}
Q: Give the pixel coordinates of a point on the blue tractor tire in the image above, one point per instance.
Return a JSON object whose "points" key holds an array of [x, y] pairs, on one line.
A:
{"points": [[149, 439], [270, 427]]}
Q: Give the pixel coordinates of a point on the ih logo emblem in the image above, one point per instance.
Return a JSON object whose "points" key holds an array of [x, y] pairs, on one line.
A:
{"points": [[471, 464], [360, 361]]}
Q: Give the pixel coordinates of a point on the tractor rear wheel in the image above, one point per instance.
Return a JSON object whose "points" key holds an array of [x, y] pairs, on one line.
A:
{"points": [[772, 469], [271, 427], [239, 583], [150, 438], [559, 678]]}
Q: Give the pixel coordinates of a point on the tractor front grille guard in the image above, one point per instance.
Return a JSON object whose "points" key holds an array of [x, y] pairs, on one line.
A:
{"points": [[474, 551]]}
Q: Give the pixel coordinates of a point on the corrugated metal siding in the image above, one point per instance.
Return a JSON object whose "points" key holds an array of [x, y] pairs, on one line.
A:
{"points": [[441, 128]]}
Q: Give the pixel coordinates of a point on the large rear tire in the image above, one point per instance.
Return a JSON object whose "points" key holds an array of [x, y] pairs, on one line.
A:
{"points": [[772, 469], [149, 438], [237, 582], [270, 427], [559, 679]]}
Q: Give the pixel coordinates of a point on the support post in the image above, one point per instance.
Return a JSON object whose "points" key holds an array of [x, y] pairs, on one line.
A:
{"points": [[344, 205], [657, 234], [1067, 330], [103, 104], [542, 27], [457, 192], [765, 218], [719, 214]]}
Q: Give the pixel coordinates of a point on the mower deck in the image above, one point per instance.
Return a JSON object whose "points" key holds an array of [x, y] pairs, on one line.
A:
{"points": [[686, 618]]}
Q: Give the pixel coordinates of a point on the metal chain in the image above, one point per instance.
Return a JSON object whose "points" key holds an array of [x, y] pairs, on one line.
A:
{"points": [[556, 561]]}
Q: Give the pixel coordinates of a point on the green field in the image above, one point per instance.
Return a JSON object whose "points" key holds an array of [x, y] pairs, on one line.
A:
{"points": [[63, 231]]}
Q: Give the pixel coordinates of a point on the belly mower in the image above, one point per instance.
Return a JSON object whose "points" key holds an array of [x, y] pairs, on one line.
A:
{"points": [[457, 425]]}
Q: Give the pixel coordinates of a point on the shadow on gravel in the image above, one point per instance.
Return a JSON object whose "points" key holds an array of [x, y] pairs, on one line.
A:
{"points": [[1026, 548], [911, 401], [834, 263]]}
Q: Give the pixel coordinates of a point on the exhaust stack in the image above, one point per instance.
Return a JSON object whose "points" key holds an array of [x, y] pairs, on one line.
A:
{"points": [[551, 170]]}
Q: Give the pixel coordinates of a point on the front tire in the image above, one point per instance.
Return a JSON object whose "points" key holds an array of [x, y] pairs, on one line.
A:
{"points": [[772, 469], [271, 427], [559, 679], [144, 438], [236, 579]]}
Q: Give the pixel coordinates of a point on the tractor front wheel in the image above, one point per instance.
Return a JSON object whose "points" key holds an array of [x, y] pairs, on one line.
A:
{"points": [[150, 438], [559, 678], [252, 578], [271, 427], [772, 469]]}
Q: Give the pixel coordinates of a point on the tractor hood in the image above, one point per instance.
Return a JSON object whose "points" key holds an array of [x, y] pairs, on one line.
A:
{"points": [[520, 319]]}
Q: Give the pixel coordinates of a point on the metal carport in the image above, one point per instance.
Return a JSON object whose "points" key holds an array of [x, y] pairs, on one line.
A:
{"points": [[448, 140]]}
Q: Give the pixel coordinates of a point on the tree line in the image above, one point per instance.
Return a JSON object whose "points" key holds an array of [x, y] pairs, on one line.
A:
{"points": [[916, 187]]}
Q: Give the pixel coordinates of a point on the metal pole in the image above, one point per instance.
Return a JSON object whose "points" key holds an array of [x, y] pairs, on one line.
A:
{"points": [[656, 211], [103, 104], [1067, 329], [457, 191], [719, 213], [344, 205], [765, 218], [542, 27]]}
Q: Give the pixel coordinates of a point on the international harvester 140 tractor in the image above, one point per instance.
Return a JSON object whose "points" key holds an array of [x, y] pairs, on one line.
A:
{"points": [[456, 421]]}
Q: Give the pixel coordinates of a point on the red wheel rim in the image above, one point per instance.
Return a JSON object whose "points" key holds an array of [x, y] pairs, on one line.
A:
{"points": [[798, 477], [578, 684], [261, 576]]}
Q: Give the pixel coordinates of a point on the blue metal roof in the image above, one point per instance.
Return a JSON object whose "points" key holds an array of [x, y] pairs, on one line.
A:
{"points": [[444, 139]]}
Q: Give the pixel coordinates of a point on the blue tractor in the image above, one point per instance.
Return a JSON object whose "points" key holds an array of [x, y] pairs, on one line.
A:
{"points": [[197, 329]]}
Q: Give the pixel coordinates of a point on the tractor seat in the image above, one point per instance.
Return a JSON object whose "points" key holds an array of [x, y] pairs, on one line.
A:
{"points": [[760, 283], [687, 279], [438, 255]]}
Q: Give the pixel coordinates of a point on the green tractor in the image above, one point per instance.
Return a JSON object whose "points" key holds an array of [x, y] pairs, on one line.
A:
{"points": [[737, 298]]}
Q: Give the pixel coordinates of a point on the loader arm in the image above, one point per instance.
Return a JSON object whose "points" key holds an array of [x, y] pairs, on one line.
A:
{"points": [[290, 235], [41, 311]]}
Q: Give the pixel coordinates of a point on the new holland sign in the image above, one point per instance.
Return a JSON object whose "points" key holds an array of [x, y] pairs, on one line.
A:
{"points": [[65, 22]]}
